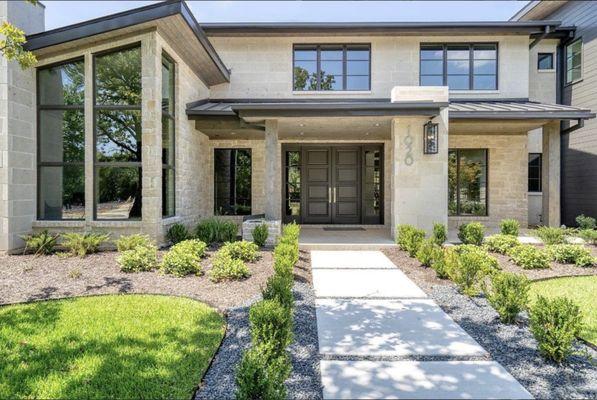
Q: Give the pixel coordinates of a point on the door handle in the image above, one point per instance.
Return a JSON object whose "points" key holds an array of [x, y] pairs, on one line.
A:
{"points": [[334, 196], [329, 194]]}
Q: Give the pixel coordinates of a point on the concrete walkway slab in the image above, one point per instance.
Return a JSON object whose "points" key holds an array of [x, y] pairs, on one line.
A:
{"points": [[401, 327], [366, 283], [418, 380], [350, 259]]}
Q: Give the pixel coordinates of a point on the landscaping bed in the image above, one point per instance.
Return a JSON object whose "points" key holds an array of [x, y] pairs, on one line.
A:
{"points": [[28, 278], [129, 346]]}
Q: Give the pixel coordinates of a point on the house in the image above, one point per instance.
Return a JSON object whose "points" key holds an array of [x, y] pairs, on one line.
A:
{"points": [[141, 119], [572, 58]]}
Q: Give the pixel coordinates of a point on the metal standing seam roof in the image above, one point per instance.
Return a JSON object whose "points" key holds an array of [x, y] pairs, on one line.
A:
{"points": [[458, 109]]}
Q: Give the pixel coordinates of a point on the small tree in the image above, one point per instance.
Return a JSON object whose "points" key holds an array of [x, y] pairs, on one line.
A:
{"points": [[11, 46]]}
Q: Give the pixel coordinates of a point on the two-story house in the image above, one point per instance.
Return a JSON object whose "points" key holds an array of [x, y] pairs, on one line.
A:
{"points": [[137, 120]]}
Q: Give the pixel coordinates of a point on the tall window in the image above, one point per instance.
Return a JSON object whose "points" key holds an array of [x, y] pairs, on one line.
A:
{"points": [[332, 67], [459, 66], [467, 182], [232, 181], [61, 141], [534, 172], [117, 118], [292, 196], [168, 139], [574, 61]]}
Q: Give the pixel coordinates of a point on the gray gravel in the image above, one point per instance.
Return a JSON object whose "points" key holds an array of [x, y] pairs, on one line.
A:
{"points": [[305, 379], [514, 347]]}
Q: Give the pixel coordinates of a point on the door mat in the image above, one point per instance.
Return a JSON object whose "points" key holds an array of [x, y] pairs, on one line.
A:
{"points": [[341, 228]]}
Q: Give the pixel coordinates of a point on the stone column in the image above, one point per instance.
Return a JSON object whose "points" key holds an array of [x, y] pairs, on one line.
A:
{"points": [[550, 174], [419, 182], [151, 137], [273, 171], [18, 133]]}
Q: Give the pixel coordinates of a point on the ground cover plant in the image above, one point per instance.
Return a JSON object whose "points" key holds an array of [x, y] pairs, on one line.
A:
{"points": [[588, 235], [551, 235], [184, 258], [226, 268], [131, 242], [140, 258], [529, 257], [43, 242], [471, 233], [581, 290], [571, 254], [500, 243], [119, 346], [81, 244]]}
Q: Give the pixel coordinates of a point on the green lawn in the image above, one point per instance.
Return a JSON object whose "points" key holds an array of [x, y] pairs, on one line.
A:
{"points": [[123, 346], [581, 290]]}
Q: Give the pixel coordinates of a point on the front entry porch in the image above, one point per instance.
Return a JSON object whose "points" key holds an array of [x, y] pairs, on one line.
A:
{"points": [[345, 237]]}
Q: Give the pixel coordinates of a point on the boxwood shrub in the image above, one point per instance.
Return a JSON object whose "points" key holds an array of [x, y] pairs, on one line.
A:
{"points": [[226, 268], [243, 250], [184, 258], [529, 257], [140, 258], [271, 323], [427, 252], [261, 374], [471, 233], [409, 239], [508, 295]]}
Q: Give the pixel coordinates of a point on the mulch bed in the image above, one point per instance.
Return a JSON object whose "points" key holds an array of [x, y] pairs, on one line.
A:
{"points": [[555, 269], [29, 278]]}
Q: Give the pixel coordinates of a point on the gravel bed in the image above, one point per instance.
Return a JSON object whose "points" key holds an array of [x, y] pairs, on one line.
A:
{"points": [[513, 346], [305, 379]]}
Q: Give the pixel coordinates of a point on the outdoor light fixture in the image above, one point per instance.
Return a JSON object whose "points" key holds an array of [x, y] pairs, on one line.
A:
{"points": [[430, 138]]}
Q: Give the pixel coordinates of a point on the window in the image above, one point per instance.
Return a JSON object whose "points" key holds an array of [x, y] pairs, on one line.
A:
{"points": [[232, 192], [459, 66], [117, 134], [292, 194], [574, 61], [331, 67], [545, 61], [168, 138], [534, 172], [61, 142], [467, 182]]}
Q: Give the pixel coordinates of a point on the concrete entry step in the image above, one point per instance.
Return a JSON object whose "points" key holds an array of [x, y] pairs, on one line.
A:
{"points": [[390, 328], [350, 259], [419, 380], [364, 283]]}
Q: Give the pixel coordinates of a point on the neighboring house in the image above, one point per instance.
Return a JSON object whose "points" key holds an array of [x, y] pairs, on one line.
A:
{"points": [[573, 58], [141, 119]]}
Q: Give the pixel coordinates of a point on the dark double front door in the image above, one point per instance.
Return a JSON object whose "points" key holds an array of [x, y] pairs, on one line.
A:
{"points": [[339, 184]]}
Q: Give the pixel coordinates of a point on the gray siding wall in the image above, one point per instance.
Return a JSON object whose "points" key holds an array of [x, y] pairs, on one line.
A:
{"points": [[579, 148]]}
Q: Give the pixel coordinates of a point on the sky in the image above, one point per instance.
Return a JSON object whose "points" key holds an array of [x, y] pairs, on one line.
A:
{"points": [[61, 13]]}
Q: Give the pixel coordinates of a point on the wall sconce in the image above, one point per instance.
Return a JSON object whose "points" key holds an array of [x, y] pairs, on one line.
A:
{"points": [[430, 138]]}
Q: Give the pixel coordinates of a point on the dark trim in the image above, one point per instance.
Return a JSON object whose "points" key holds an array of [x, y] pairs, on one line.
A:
{"points": [[125, 19], [553, 65], [579, 125], [565, 56], [521, 115], [457, 151], [540, 173], [250, 150], [172, 119]]}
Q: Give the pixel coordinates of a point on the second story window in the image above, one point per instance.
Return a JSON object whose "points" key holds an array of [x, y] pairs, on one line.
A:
{"points": [[545, 61], [331, 67], [574, 61], [459, 66]]}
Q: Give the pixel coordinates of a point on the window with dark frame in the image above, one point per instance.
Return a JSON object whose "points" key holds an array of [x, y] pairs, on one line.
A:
{"points": [[292, 192], [61, 141], [545, 61], [574, 61], [469, 66], [534, 172], [168, 138], [331, 67], [117, 134], [467, 182], [232, 181]]}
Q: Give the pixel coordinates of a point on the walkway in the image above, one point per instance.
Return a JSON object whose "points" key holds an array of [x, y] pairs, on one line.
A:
{"points": [[381, 337]]}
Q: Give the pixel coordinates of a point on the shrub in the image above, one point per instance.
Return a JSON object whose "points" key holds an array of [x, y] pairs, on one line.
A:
{"points": [[279, 287], [509, 227], [438, 262], [555, 323], [586, 222], [508, 295], [529, 257], [177, 233], [271, 323], [246, 251], [141, 258], [184, 258], [260, 234], [292, 231], [131, 242], [551, 235], [225, 268], [286, 251], [40, 243], [585, 260], [427, 251], [440, 234], [216, 230], [261, 375], [570, 254], [467, 269], [81, 244], [500, 243], [410, 238], [588, 235], [471, 233], [489, 264]]}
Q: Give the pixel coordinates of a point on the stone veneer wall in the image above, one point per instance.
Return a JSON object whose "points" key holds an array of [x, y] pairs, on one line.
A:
{"points": [[507, 177]]}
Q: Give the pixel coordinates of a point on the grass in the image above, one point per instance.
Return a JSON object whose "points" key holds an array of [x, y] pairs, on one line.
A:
{"points": [[120, 346], [581, 290]]}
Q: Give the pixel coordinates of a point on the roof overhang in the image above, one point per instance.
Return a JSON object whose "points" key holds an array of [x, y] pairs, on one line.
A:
{"points": [[378, 28], [537, 9], [172, 18]]}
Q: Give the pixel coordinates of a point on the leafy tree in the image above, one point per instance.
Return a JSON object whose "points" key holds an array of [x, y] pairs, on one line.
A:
{"points": [[11, 46]]}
